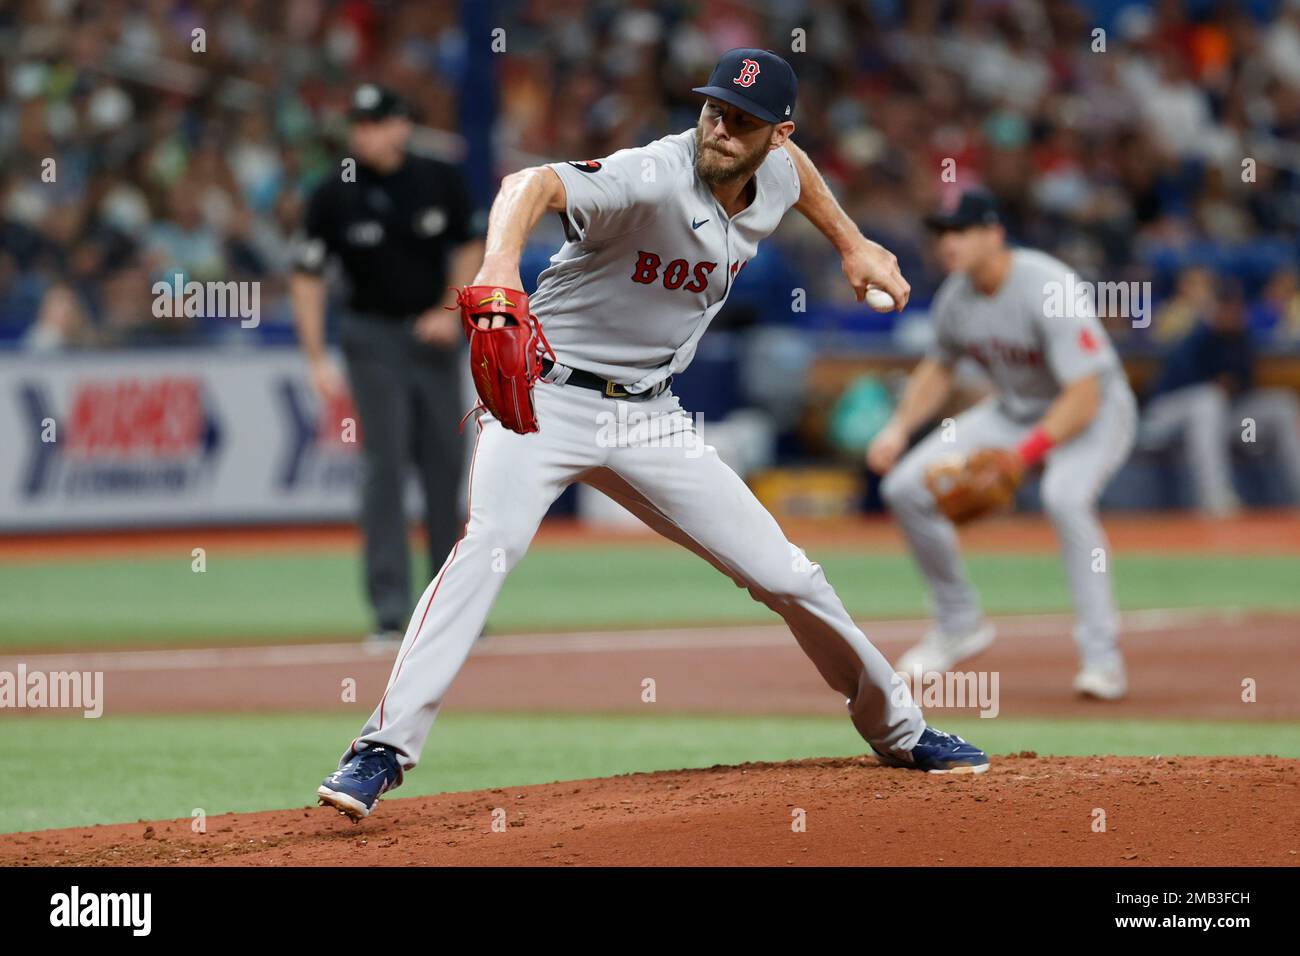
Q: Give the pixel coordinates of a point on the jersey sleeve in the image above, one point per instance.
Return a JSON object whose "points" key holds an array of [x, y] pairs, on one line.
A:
{"points": [[314, 240], [944, 349], [622, 192], [1073, 339], [788, 176]]}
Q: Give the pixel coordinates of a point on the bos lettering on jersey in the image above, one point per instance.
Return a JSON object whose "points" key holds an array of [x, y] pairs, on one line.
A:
{"points": [[648, 271], [650, 257], [1008, 352]]}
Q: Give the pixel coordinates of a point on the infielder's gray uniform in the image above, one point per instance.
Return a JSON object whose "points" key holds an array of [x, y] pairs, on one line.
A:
{"points": [[1030, 356], [650, 259]]}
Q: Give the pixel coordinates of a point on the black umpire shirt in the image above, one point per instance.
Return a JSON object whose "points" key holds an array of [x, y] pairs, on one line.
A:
{"points": [[392, 233]]}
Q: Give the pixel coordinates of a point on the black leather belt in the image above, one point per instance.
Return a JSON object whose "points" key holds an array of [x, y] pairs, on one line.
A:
{"points": [[603, 385]]}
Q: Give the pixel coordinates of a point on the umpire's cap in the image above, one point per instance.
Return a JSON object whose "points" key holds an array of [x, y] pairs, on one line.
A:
{"points": [[756, 81], [371, 102], [975, 208]]}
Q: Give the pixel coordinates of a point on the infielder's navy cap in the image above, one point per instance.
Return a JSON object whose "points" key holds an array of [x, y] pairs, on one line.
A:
{"points": [[756, 81], [370, 102], [975, 208]]}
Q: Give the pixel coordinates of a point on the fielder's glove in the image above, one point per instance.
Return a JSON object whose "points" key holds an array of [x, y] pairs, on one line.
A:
{"points": [[506, 346], [966, 487]]}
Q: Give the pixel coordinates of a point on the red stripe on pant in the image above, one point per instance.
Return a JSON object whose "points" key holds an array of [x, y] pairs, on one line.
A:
{"points": [[469, 508]]}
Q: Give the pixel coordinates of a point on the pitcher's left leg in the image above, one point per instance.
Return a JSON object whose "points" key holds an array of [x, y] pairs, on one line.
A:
{"points": [[692, 496]]}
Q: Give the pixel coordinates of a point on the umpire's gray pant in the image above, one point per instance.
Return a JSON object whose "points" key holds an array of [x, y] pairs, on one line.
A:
{"points": [[408, 400]]}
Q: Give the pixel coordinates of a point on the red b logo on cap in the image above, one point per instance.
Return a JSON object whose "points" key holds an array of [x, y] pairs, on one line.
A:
{"points": [[748, 73]]}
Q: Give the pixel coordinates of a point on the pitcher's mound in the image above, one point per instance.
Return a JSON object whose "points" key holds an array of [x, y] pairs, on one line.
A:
{"points": [[1144, 811]]}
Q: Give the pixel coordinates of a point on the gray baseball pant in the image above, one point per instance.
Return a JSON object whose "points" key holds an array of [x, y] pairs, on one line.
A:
{"points": [[676, 484], [1074, 475]]}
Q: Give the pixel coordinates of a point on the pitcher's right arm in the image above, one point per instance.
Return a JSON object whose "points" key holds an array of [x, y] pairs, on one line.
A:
{"points": [[523, 198]]}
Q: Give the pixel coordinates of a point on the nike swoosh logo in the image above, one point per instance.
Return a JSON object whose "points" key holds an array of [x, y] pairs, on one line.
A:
{"points": [[696, 225]]}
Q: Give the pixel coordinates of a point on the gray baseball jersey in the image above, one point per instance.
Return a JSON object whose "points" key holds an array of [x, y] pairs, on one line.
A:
{"points": [[1029, 354], [650, 258], [1032, 342]]}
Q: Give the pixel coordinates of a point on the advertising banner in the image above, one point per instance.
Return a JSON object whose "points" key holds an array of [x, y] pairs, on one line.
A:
{"points": [[125, 439]]}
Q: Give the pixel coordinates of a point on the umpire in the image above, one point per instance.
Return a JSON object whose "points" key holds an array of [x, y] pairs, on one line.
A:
{"points": [[398, 227]]}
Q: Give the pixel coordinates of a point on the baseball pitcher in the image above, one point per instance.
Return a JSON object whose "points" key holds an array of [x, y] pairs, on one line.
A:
{"points": [[655, 239], [1062, 400]]}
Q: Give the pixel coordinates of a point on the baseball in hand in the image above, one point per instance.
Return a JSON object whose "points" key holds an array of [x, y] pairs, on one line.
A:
{"points": [[879, 299]]}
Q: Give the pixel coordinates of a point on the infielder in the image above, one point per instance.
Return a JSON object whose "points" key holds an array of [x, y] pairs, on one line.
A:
{"points": [[1062, 400], [656, 236]]}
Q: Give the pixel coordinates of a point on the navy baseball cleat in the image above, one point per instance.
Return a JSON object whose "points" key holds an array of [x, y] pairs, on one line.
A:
{"points": [[354, 788], [937, 752]]}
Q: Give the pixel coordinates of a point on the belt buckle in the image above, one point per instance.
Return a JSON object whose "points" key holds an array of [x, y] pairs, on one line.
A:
{"points": [[612, 390]]}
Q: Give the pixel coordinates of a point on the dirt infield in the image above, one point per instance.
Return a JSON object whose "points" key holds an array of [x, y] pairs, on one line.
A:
{"points": [[1187, 664], [1024, 811]]}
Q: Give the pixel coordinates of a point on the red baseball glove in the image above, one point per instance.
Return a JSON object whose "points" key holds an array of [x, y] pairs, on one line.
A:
{"points": [[506, 346], [966, 487]]}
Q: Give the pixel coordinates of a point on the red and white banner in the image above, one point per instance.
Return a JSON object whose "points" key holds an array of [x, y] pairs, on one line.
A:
{"points": [[170, 437]]}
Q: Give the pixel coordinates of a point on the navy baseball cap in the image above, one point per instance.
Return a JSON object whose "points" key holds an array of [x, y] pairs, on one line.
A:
{"points": [[756, 81], [371, 102], [975, 208]]}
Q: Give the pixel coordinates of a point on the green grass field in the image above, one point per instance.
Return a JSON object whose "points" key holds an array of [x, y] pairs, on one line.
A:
{"points": [[120, 769], [317, 596]]}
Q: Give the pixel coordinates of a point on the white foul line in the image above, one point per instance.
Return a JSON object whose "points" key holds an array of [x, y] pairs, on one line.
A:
{"points": [[583, 642]]}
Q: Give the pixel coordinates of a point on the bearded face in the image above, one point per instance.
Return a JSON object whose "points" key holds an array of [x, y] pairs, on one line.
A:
{"points": [[721, 160]]}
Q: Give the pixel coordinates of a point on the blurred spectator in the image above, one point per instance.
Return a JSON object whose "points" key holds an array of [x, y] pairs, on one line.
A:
{"points": [[1276, 315], [1282, 46], [185, 242], [1205, 397], [60, 323], [1124, 161], [1192, 301]]}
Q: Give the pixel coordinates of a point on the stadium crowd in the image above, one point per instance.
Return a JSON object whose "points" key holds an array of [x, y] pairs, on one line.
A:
{"points": [[1164, 148]]}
